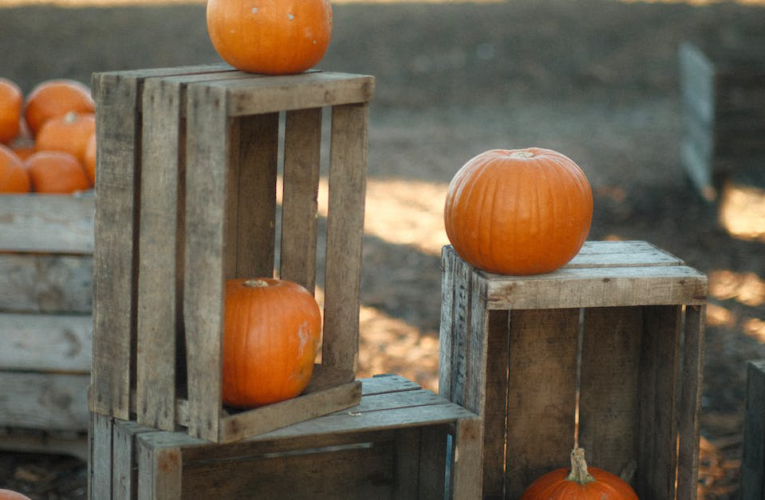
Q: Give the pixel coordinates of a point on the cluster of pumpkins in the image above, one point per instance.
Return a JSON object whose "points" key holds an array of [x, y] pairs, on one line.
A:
{"points": [[48, 139]]}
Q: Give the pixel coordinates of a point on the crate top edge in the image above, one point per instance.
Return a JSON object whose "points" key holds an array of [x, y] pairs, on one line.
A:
{"points": [[138, 75]]}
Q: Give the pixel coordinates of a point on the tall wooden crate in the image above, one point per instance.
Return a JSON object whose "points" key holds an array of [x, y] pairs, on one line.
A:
{"points": [[186, 199], [46, 247], [616, 334]]}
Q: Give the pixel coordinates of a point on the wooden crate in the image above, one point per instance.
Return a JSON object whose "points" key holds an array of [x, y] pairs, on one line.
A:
{"points": [[46, 246], [187, 198], [400, 442], [753, 455], [509, 351], [723, 99]]}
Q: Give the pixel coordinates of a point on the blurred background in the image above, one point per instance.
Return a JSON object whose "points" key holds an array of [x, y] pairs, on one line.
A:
{"points": [[597, 80]]}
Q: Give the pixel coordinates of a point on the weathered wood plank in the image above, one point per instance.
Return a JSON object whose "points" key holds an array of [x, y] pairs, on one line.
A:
{"points": [[495, 403], [100, 462], [45, 342], [460, 335], [446, 328], [542, 395], [433, 460], [44, 401], [753, 456], [157, 323], [207, 181], [159, 472], [43, 283], [345, 228], [608, 401], [50, 224], [125, 459], [467, 475], [75, 444], [302, 148], [381, 384]]}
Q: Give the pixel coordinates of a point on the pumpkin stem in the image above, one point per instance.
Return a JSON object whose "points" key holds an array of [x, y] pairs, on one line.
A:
{"points": [[255, 283], [579, 472], [522, 154]]}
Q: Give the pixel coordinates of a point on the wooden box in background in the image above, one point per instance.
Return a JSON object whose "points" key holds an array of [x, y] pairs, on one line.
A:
{"points": [[46, 247], [624, 318], [188, 162], [723, 101]]}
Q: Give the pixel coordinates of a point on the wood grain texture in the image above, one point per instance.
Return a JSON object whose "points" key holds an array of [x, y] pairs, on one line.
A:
{"points": [[49, 342], [125, 459], [446, 326], [460, 336], [608, 401], [100, 463], [207, 181], [467, 475], [49, 224], [345, 230], [159, 472], [495, 403], [302, 148], [157, 323], [753, 455], [44, 401], [542, 394]]}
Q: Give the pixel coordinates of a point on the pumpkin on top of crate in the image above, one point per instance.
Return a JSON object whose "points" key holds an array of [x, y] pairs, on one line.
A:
{"points": [[518, 212], [274, 37]]}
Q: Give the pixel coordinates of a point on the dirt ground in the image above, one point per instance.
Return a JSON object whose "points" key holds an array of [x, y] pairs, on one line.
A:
{"points": [[594, 79]]}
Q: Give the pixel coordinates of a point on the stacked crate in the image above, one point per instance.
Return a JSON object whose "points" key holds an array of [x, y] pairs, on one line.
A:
{"points": [[188, 165], [613, 340], [46, 247]]}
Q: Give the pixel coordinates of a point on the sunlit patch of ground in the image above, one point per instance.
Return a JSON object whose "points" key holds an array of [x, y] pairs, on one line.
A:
{"points": [[742, 212]]}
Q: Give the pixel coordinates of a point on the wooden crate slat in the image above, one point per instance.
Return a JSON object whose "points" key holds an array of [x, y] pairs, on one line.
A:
{"points": [[252, 196], [468, 445], [446, 326], [495, 403], [690, 403], [753, 454], [638, 258], [124, 456], [164, 486], [287, 93], [608, 402], [659, 402], [432, 464], [407, 463], [158, 268], [345, 228], [50, 224], [207, 181], [460, 333], [46, 443], [100, 464], [381, 384], [302, 148], [542, 364], [50, 342], [45, 401]]}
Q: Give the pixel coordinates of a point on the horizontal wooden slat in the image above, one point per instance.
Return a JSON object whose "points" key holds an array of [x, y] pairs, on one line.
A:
{"points": [[46, 443], [45, 342], [381, 384], [621, 254], [48, 224], [46, 283], [44, 401], [287, 93]]}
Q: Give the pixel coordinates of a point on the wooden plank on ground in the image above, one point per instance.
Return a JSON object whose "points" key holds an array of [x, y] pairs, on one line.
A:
{"points": [[44, 401], [345, 231]]}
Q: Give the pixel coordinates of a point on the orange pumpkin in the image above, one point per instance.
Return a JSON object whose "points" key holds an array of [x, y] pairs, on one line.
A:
{"points": [[69, 133], [56, 172], [12, 495], [14, 178], [90, 159], [271, 334], [518, 212], [275, 37], [579, 483], [54, 98], [11, 100]]}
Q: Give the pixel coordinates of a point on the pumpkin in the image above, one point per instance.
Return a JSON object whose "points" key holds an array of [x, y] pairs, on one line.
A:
{"points": [[12, 495], [271, 334], [11, 100], [69, 133], [56, 172], [579, 483], [518, 212], [90, 159], [275, 37], [14, 178], [54, 98]]}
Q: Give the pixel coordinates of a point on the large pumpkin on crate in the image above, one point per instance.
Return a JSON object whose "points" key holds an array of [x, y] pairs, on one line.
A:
{"points": [[271, 333], [275, 37], [518, 212], [579, 483]]}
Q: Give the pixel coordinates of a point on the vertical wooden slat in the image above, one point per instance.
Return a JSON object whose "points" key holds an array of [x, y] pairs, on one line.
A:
{"points": [[690, 404], [659, 400], [495, 405], [345, 231], [302, 148], [115, 250], [159, 472], [407, 450], [753, 456], [100, 463], [207, 180], [157, 304], [125, 460], [460, 330], [608, 404], [542, 394], [466, 474], [254, 154], [433, 460], [446, 333]]}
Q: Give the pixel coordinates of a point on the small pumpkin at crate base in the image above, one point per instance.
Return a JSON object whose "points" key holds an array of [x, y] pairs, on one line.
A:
{"points": [[69, 133], [579, 483], [14, 177], [275, 37], [56, 172], [518, 212], [272, 330]]}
